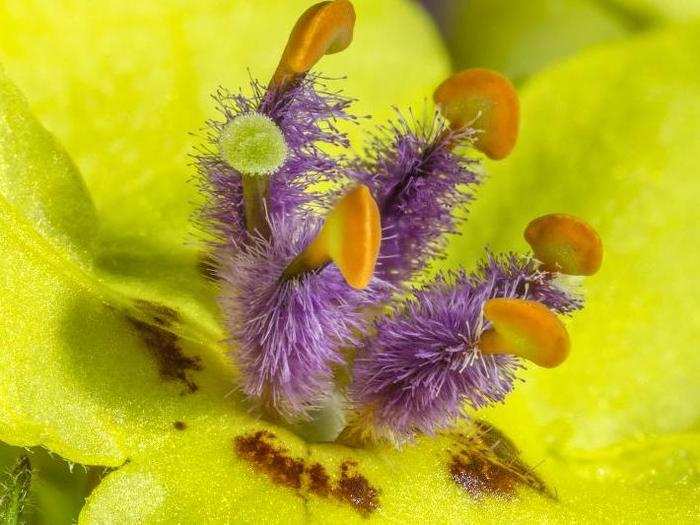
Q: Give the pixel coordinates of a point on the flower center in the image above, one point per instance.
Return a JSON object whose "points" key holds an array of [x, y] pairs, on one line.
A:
{"points": [[330, 337]]}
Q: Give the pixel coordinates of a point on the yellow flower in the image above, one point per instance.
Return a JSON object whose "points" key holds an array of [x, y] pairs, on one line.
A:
{"points": [[113, 352]]}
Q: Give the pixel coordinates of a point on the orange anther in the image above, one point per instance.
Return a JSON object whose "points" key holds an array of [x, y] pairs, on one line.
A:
{"points": [[565, 244], [323, 29], [527, 329], [350, 238], [486, 101]]}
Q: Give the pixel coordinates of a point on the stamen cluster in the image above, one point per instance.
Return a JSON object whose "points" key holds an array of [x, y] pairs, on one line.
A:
{"points": [[317, 283]]}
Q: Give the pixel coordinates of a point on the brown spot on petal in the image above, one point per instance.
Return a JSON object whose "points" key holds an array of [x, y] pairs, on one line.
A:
{"points": [[486, 462], [355, 489], [349, 487], [271, 460], [173, 364], [179, 425], [319, 480], [479, 476], [160, 314]]}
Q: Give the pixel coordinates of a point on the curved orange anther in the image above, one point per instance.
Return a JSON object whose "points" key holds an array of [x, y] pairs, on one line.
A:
{"points": [[323, 29], [350, 238], [486, 101], [566, 244], [527, 329]]}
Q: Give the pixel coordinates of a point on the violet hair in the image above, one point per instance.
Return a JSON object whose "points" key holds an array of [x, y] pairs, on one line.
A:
{"points": [[423, 363], [419, 176]]}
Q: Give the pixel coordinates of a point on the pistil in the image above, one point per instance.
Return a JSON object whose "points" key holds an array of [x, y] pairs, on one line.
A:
{"points": [[324, 28]]}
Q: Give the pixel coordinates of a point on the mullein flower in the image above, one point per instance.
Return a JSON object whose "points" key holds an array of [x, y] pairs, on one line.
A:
{"points": [[91, 357], [299, 291]]}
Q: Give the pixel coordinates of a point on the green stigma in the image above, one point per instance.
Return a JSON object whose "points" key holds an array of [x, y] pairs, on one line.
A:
{"points": [[253, 144]]}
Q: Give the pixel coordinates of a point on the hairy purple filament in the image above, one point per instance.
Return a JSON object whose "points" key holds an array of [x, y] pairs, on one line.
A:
{"points": [[419, 179], [287, 335], [423, 363]]}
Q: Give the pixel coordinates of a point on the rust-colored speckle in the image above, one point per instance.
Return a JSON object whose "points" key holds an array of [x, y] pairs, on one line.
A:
{"points": [[486, 462], [160, 314], [319, 480], [164, 346], [273, 461], [179, 425], [350, 487], [479, 476], [355, 489]]}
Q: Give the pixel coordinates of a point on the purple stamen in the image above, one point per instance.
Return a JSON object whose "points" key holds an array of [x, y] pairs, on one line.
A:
{"points": [[423, 365], [419, 179], [286, 335]]}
